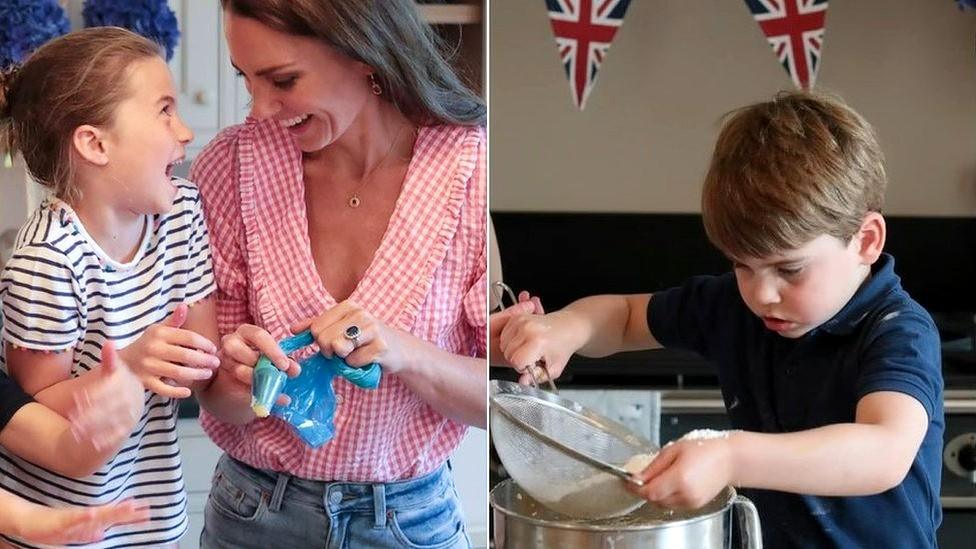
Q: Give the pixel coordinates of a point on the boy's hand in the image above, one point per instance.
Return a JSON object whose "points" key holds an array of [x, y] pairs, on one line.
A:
{"points": [[527, 339], [168, 359], [78, 524], [687, 474], [537, 308], [497, 322], [106, 411]]}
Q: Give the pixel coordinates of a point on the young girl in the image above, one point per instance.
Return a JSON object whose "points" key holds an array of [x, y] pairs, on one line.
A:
{"points": [[113, 255]]}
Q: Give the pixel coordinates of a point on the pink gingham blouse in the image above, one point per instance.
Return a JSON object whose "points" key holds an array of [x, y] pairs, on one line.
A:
{"points": [[428, 277]]}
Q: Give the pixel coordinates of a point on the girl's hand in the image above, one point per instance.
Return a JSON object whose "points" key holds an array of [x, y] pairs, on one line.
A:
{"points": [[168, 359], [687, 474], [527, 340], [240, 350], [106, 411], [79, 524], [376, 341]]}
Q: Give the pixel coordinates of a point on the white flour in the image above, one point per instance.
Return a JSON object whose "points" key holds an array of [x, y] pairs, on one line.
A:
{"points": [[705, 434], [638, 462], [599, 495], [702, 434], [602, 494]]}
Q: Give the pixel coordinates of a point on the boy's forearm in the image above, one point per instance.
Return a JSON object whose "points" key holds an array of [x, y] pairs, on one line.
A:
{"points": [[848, 459], [43, 437], [80, 458], [15, 513], [606, 324], [60, 397]]}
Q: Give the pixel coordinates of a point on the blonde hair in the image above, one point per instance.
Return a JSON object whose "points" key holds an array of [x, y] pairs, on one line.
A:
{"points": [[390, 37], [789, 170], [73, 80]]}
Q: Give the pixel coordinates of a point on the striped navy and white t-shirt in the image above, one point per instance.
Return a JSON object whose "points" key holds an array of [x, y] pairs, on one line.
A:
{"points": [[61, 292]]}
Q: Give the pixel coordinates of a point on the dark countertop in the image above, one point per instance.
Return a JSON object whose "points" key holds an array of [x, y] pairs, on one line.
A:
{"points": [[656, 368], [676, 369], [189, 408]]}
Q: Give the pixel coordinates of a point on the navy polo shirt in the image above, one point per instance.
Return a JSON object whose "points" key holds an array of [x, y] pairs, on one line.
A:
{"points": [[12, 399], [881, 340]]}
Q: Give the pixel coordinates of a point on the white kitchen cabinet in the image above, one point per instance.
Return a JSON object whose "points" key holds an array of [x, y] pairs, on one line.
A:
{"points": [[200, 457], [469, 465], [205, 81], [210, 97]]}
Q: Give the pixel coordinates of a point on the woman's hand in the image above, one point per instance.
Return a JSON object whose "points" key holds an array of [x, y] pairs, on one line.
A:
{"points": [[168, 359], [376, 342], [41, 524], [106, 411], [240, 350], [687, 474]]}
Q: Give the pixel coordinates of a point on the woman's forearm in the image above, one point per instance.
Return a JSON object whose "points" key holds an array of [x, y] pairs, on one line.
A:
{"points": [[454, 385]]}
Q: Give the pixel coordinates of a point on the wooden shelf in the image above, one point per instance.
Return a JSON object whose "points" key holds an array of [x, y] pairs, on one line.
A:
{"points": [[450, 14]]}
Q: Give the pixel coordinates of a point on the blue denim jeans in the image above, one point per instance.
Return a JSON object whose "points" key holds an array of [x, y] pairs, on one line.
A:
{"points": [[251, 507]]}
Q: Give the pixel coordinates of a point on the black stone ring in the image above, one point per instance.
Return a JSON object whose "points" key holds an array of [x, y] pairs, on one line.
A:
{"points": [[352, 333]]}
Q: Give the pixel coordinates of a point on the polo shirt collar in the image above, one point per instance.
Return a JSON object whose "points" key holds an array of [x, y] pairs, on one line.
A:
{"points": [[882, 281]]}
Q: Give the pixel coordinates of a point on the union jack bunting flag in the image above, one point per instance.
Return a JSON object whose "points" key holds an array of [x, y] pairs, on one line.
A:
{"points": [[795, 30], [584, 30]]}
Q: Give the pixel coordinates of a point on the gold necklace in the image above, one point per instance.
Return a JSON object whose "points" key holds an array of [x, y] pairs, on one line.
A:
{"points": [[354, 200]]}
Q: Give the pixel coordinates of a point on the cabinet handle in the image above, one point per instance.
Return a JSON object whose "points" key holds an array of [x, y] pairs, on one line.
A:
{"points": [[201, 97]]}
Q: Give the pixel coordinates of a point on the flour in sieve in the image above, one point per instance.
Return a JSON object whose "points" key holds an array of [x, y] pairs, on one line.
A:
{"points": [[599, 494]]}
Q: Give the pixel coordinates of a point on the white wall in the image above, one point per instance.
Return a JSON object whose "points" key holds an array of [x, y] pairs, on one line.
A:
{"points": [[13, 196], [676, 66]]}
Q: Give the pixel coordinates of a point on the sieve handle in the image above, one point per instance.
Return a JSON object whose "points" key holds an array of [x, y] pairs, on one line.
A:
{"points": [[535, 380]]}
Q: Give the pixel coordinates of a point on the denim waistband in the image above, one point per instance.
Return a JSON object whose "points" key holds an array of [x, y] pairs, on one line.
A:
{"points": [[338, 496]]}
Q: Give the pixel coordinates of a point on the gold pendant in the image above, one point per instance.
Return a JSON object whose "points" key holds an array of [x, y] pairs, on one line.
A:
{"points": [[354, 201]]}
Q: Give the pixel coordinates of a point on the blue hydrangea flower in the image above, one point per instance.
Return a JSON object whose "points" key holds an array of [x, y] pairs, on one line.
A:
{"points": [[150, 18], [25, 25]]}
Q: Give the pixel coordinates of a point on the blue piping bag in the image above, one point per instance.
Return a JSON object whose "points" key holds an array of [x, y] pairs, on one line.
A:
{"points": [[313, 403]]}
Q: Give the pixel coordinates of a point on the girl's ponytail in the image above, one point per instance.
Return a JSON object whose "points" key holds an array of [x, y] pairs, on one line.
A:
{"points": [[7, 81]]}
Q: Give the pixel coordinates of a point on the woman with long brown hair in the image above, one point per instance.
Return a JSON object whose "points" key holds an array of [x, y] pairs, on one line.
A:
{"points": [[352, 202]]}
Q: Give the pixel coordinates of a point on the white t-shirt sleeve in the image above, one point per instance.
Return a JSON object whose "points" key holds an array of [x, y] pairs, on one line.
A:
{"points": [[40, 297]]}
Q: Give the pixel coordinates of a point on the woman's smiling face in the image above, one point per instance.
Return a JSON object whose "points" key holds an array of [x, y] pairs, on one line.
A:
{"points": [[305, 84]]}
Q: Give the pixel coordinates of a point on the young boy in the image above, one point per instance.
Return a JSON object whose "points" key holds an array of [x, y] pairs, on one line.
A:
{"points": [[103, 418], [829, 370]]}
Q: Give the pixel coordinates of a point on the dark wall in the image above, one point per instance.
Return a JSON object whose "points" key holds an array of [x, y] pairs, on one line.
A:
{"points": [[564, 256]]}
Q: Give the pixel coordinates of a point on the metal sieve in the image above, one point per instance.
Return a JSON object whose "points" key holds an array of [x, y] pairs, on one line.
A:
{"points": [[564, 455]]}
